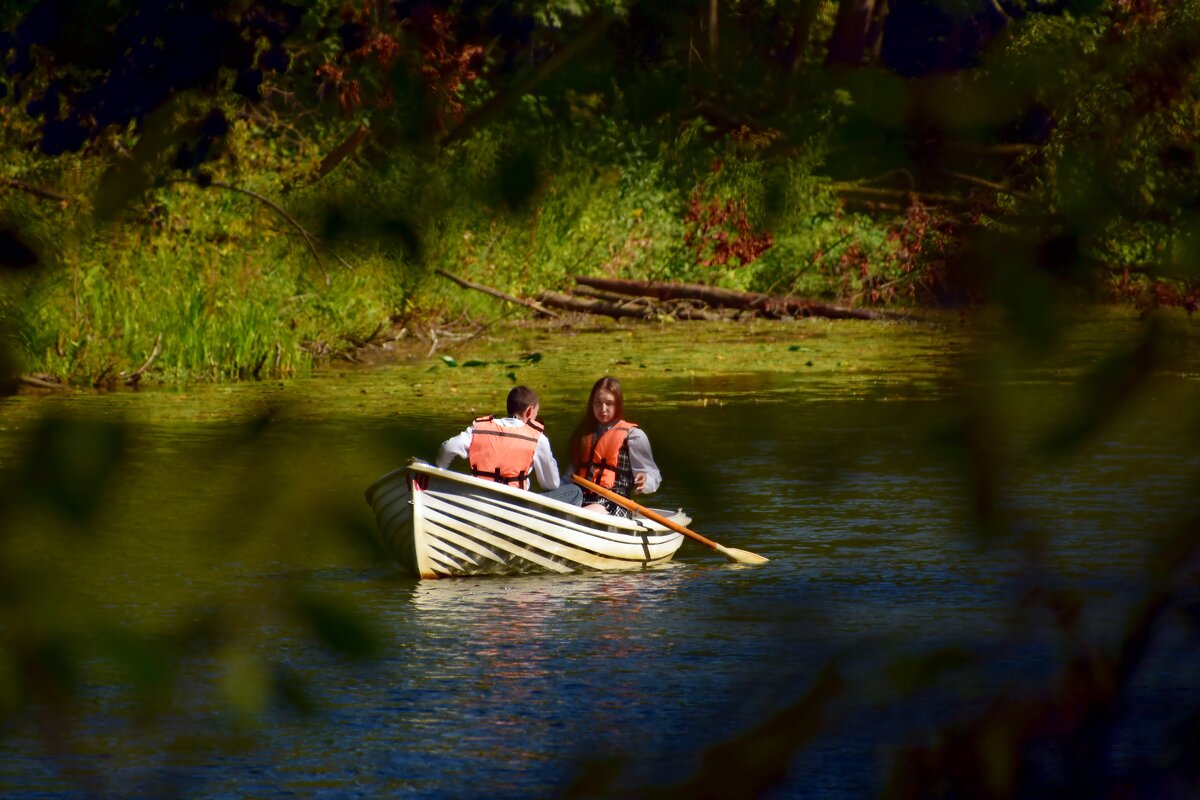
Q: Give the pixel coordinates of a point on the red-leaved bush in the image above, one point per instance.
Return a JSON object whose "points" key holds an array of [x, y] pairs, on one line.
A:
{"points": [[720, 234]]}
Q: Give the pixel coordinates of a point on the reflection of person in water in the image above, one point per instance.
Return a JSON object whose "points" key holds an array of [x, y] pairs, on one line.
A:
{"points": [[508, 449], [611, 452]]}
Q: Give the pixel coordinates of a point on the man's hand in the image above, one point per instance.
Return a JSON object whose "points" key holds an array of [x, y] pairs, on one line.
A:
{"points": [[639, 482]]}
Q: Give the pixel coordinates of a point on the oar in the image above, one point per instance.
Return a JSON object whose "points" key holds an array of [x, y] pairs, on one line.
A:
{"points": [[732, 553]]}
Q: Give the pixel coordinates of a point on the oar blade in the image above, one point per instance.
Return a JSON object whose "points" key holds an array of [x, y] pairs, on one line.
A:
{"points": [[742, 556]]}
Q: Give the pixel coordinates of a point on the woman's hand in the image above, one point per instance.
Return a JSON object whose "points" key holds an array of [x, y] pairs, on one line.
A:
{"points": [[639, 482]]}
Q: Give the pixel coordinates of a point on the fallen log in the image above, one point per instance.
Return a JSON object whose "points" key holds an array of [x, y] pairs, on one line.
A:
{"points": [[611, 297], [905, 197], [41, 381], [590, 306], [713, 295], [590, 301], [687, 310], [766, 305]]}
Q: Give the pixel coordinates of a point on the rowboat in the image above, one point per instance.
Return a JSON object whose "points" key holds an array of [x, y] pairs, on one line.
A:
{"points": [[442, 524]]}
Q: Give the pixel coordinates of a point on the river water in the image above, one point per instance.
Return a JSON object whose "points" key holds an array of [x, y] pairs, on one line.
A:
{"points": [[910, 484]]}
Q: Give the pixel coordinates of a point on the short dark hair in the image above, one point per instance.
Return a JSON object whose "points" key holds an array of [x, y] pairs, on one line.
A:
{"points": [[519, 399]]}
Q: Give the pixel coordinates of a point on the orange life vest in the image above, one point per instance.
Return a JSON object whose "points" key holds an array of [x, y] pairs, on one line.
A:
{"points": [[597, 460], [500, 454]]}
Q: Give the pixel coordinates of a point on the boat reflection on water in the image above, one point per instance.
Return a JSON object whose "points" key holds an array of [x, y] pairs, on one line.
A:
{"points": [[550, 659], [513, 626], [461, 600]]}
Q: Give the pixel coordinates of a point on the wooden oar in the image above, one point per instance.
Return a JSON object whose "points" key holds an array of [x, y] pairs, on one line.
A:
{"points": [[732, 553]]}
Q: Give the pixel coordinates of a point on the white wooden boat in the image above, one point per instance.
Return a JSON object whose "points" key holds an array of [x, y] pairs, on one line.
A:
{"points": [[442, 524]]}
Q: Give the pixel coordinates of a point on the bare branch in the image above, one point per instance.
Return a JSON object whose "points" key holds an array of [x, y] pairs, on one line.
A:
{"points": [[40, 382], [479, 287], [134, 377], [36, 191], [343, 150], [997, 187], [309, 239]]}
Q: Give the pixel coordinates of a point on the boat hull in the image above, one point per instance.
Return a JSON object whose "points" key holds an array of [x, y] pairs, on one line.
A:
{"points": [[441, 524]]}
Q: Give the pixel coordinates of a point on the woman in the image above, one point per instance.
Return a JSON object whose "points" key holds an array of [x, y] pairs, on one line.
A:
{"points": [[609, 451]]}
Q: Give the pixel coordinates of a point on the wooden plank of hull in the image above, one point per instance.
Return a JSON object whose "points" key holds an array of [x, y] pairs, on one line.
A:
{"points": [[398, 516], [590, 550], [420, 545], [447, 533], [534, 544], [596, 538], [522, 549], [450, 551], [514, 558], [458, 526]]}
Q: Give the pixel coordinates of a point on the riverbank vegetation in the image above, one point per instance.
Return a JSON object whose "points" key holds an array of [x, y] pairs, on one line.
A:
{"points": [[193, 193]]}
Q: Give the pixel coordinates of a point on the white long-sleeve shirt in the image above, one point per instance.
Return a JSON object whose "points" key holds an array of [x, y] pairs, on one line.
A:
{"points": [[544, 465], [641, 459]]}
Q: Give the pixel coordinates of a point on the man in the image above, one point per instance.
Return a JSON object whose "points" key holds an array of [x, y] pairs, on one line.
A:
{"points": [[508, 449]]}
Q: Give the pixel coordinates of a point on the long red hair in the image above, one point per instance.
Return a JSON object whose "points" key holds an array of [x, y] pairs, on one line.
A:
{"points": [[587, 424]]}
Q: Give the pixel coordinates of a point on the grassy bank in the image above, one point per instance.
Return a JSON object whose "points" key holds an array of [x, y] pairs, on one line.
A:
{"points": [[221, 282]]}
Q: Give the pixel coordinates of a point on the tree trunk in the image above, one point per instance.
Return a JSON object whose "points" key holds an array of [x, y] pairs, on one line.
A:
{"points": [[712, 33], [849, 40], [806, 17], [874, 38], [798, 46]]}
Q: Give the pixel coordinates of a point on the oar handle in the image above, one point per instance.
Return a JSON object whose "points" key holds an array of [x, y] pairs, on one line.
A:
{"points": [[625, 502]]}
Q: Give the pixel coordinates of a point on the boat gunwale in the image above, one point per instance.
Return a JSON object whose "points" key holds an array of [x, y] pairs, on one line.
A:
{"points": [[588, 519]]}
